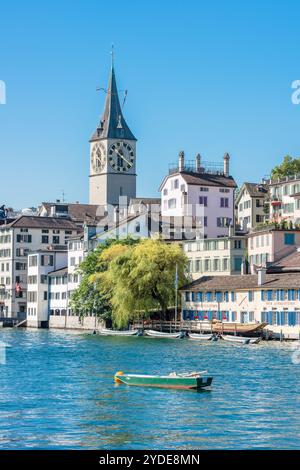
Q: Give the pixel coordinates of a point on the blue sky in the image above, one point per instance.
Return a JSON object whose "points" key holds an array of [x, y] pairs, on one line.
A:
{"points": [[205, 77]]}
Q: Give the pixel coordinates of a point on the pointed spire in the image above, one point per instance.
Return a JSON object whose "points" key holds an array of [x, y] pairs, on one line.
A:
{"points": [[112, 124]]}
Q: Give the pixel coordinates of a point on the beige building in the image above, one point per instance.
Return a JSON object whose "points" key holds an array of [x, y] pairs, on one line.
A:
{"points": [[250, 205], [270, 298], [215, 256]]}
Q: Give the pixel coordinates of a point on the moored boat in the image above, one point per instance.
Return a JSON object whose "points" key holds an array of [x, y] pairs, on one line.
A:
{"points": [[202, 337], [239, 328], [189, 381], [107, 332], [162, 334], [240, 339]]}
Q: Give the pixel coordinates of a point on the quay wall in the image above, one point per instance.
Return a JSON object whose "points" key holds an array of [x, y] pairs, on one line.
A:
{"points": [[73, 322]]}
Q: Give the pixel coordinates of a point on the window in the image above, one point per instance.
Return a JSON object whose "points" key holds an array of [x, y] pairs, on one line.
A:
{"points": [[205, 221], [223, 221], [45, 231], [237, 244], [176, 184], [21, 266], [187, 296], [250, 296], [224, 202], [32, 279], [224, 190], [289, 239], [32, 296], [44, 279], [72, 261], [203, 201], [204, 189], [165, 192], [225, 264], [45, 239], [47, 260], [22, 252], [56, 232], [45, 295], [55, 240], [172, 203], [237, 263], [24, 238]]}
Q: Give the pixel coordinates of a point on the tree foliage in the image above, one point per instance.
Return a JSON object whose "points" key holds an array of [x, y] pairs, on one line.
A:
{"points": [[140, 278], [290, 166], [87, 298]]}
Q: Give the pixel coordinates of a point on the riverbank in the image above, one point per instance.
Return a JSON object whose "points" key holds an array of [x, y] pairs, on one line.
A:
{"points": [[57, 392]]}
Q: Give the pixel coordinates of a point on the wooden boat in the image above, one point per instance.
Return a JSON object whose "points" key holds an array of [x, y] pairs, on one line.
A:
{"points": [[107, 332], [239, 328], [200, 337], [161, 334], [240, 339], [190, 381]]}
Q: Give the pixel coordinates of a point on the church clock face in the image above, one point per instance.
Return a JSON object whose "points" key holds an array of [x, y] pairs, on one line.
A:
{"points": [[121, 156], [98, 157]]}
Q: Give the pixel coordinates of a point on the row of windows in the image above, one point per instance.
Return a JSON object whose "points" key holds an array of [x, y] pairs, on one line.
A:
{"points": [[215, 264], [213, 245], [224, 201], [5, 253], [285, 190], [57, 295], [202, 315], [281, 318], [5, 281], [46, 260], [223, 296], [5, 239], [58, 280]]}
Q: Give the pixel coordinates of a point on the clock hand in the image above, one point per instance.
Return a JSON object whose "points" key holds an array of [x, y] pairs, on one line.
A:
{"points": [[122, 156]]}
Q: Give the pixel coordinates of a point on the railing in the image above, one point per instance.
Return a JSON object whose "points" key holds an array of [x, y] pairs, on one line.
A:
{"points": [[205, 167]]}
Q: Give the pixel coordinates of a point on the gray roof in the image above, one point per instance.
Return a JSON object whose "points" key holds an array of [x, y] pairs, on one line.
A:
{"points": [[78, 212], [247, 281], [30, 221], [204, 179], [112, 124], [59, 272], [145, 200], [290, 263]]}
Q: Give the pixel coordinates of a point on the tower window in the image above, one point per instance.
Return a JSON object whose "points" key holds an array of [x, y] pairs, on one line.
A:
{"points": [[121, 190]]}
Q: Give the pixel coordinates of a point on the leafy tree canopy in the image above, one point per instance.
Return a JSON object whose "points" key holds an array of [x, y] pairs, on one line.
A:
{"points": [[290, 166], [140, 278], [86, 298]]}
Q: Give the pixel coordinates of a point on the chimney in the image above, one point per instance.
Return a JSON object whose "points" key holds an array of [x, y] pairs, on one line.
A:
{"points": [[198, 163], [181, 161], [261, 276], [226, 164]]}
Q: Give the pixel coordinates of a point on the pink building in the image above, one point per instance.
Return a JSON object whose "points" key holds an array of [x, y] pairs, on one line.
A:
{"points": [[271, 245]]}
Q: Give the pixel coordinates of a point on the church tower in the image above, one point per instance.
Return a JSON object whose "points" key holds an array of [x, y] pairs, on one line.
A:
{"points": [[112, 153]]}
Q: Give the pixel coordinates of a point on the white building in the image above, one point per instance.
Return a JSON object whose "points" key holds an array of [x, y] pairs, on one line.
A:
{"points": [[285, 199], [250, 205], [75, 257], [40, 264], [58, 292], [270, 298], [215, 256], [202, 191], [18, 239]]}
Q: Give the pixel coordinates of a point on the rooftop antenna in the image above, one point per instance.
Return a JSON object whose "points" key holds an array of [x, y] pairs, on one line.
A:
{"points": [[112, 53], [63, 195]]}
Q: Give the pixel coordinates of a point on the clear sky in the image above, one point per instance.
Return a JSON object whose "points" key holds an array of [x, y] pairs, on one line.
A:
{"points": [[203, 76]]}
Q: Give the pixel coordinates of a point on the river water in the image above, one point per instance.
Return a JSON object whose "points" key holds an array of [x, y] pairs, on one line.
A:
{"points": [[57, 392]]}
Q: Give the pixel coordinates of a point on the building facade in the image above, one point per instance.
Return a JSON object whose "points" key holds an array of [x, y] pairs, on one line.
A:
{"points": [[242, 299], [40, 265], [270, 245], [215, 256], [251, 204], [285, 199], [207, 194], [18, 239]]}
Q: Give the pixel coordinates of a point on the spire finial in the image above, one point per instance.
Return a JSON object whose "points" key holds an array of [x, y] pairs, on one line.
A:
{"points": [[112, 53]]}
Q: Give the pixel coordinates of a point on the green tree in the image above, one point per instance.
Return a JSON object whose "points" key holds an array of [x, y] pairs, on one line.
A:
{"points": [[290, 166], [140, 278], [87, 298]]}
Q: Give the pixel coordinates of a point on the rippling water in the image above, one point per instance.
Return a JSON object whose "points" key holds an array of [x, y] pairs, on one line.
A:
{"points": [[57, 391]]}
